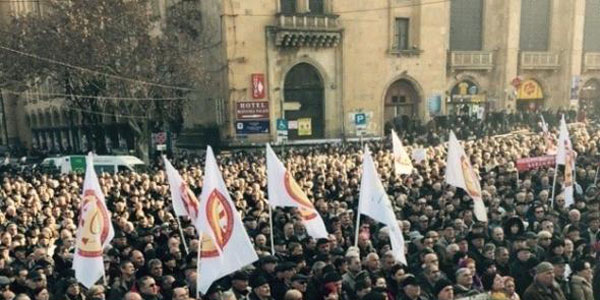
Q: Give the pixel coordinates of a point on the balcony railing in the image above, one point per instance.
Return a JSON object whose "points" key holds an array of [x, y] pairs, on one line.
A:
{"points": [[539, 60], [471, 60], [308, 22], [306, 30], [591, 61]]}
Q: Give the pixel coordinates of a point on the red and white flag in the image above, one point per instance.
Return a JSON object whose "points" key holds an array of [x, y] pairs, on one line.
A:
{"points": [[374, 202], [459, 173], [284, 191], [94, 230], [225, 246], [185, 202], [566, 156], [402, 163]]}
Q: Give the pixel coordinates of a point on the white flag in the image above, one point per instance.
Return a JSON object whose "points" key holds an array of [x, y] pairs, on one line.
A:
{"points": [[284, 191], [185, 202], [374, 203], [402, 163], [94, 230], [225, 246], [564, 142], [459, 173], [566, 156]]}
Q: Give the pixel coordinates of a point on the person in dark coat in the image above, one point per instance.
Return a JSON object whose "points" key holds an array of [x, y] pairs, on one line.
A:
{"points": [[520, 269], [544, 287]]}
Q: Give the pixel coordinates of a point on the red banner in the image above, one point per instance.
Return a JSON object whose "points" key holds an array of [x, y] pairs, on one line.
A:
{"points": [[258, 86], [526, 164]]}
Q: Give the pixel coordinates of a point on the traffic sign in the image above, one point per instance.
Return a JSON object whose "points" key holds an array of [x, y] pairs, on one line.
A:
{"points": [[282, 125], [360, 120]]}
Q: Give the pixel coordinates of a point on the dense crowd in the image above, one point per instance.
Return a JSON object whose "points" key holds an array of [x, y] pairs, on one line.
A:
{"points": [[529, 249]]}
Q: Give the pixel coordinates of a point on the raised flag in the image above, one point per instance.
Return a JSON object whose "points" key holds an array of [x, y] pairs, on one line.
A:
{"points": [[225, 246], [284, 191], [374, 202], [185, 202], [402, 163], [94, 230], [566, 156], [548, 139], [459, 173]]}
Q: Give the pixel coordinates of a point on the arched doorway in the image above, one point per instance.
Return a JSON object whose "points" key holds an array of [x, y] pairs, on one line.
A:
{"points": [[530, 96], [303, 96], [401, 101], [590, 96]]}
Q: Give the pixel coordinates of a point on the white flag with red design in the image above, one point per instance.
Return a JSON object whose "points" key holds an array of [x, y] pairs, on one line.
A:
{"points": [[566, 156], [225, 245], [402, 163], [284, 191], [185, 202], [374, 202], [459, 173], [94, 230], [550, 146]]}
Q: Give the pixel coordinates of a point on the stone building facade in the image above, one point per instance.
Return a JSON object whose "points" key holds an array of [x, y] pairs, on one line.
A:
{"points": [[320, 63]]}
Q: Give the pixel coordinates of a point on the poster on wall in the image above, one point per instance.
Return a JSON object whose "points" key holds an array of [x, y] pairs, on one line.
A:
{"points": [[258, 86], [304, 127], [530, 90], [466, 91]]}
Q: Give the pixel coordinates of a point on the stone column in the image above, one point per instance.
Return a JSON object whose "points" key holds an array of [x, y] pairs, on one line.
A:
{"points": [[513, 9]]}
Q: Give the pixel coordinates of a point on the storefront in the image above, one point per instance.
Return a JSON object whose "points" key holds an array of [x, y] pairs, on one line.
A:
{"points": [[530, 96], [466, 98]]}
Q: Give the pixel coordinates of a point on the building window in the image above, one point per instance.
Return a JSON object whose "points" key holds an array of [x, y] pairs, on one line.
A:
{"points": [[466, 19], [288, 6], [401, 34], [316, 7], [535, 25], [591, 35]]}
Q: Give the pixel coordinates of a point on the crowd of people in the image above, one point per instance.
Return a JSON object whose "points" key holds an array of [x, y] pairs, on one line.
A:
{"points": [[530, 248]]}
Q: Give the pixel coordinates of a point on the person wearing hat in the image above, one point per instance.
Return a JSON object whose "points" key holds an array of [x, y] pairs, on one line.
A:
{"points": [[299, 282], [443, 290], [411, 290], [72, 290], [559, 264], [260, 289], [5, 291], [543, 286], [592, 234], [239, 285], [531, 240], [519, 269], [266, 267], [283, 279], [581, 281]]}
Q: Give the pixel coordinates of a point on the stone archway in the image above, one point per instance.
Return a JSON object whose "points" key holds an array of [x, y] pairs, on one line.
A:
{"points": [[304, 95], [401, 100]]}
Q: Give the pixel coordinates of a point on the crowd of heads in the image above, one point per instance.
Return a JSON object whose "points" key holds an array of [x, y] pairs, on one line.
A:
{"points": [[529, 245]]}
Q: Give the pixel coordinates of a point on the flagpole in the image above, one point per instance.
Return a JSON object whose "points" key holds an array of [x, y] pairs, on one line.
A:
{"points": [[272, 233], [596, 175], [198, 262], [357, 227], [185, 247]]}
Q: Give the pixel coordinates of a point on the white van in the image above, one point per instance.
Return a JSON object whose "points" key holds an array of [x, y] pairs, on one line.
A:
{"points": [[102, 164]]}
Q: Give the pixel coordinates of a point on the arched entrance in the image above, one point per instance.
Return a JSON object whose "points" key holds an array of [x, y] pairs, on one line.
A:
{"points": [[530, 96], [401, 100], [303, 96], [590, 96]]}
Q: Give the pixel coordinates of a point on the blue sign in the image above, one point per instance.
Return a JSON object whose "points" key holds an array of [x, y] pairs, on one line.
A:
{"points": [[360, 119], [282, 125], [252, 127]]}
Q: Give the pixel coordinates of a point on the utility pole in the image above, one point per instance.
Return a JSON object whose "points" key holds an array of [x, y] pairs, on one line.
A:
{"points": [[4, 120]]}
